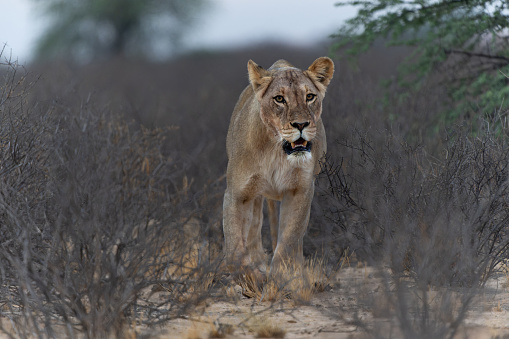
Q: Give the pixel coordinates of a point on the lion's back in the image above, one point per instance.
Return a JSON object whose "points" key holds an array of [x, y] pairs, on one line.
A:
{"points": [[240, 112]]}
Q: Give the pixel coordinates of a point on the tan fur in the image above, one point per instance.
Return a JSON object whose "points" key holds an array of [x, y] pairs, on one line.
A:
{"points": [[259, 168]]}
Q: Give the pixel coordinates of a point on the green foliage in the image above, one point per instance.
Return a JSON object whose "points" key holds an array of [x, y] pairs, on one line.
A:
{"points": [[461, 43], [86, 30]]}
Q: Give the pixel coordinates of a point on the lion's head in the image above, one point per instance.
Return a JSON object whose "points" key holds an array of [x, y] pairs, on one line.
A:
{"points": [[291, 100]]}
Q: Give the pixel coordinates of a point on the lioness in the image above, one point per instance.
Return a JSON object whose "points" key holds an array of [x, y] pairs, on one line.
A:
{"points": [[275, 140]]}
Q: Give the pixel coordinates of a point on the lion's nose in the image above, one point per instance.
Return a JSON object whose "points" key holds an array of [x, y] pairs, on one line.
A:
{"points": [[300, 125]]}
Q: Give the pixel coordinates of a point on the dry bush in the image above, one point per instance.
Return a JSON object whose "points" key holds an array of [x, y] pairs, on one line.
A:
{"points": [[93, 215], [438, 222]]}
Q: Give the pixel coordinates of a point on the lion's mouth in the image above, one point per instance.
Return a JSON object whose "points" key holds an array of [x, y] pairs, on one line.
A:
{"points": [[299, 145]]}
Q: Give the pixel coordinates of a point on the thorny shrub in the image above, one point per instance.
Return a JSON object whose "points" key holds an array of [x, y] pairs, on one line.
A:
{"points": [[435, 221], [91, 220]]}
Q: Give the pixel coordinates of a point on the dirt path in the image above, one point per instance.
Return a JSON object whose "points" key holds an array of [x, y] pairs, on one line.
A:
{"points": [[332, 314]]}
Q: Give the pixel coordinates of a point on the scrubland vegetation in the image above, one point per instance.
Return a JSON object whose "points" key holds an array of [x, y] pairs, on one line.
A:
{"points": [[112, 177]]}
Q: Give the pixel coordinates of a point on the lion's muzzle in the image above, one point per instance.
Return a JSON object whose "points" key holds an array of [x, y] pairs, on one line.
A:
{"points": [[299, 145]]}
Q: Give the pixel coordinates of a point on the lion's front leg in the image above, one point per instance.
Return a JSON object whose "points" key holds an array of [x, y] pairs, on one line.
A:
{"points": [[242, 221], [294, 219], [254, 237], [236, 215]]}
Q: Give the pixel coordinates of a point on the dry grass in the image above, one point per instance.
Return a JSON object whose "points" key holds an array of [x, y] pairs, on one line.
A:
{"points": [[193, 333], [220, 330], [187, 263], [264, 327], [206, 328], [498, 308], [293, 282]]}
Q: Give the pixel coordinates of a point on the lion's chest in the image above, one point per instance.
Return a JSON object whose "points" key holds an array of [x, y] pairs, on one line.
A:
{"points": [[284, 176]]}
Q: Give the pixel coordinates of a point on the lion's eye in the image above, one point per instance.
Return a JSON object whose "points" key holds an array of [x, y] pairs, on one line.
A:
{"points": [[279, 99], [310, 97]]}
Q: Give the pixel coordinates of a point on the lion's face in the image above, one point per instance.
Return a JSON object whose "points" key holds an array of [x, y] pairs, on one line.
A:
{"points": [[291, 101]]}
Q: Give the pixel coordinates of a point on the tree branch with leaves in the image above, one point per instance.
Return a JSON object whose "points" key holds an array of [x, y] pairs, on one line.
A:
{"points": [[464, 43]]}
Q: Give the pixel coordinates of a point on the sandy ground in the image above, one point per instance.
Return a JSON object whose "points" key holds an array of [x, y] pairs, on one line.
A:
{"points": [[330, 314], [353, 303]]}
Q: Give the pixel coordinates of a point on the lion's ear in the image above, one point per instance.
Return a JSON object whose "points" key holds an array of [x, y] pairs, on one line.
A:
{"points": [[321, 71], [258, 76]]}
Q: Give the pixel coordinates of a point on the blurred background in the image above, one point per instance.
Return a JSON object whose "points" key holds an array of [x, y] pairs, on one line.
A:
{"points": [[32, 29]]}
